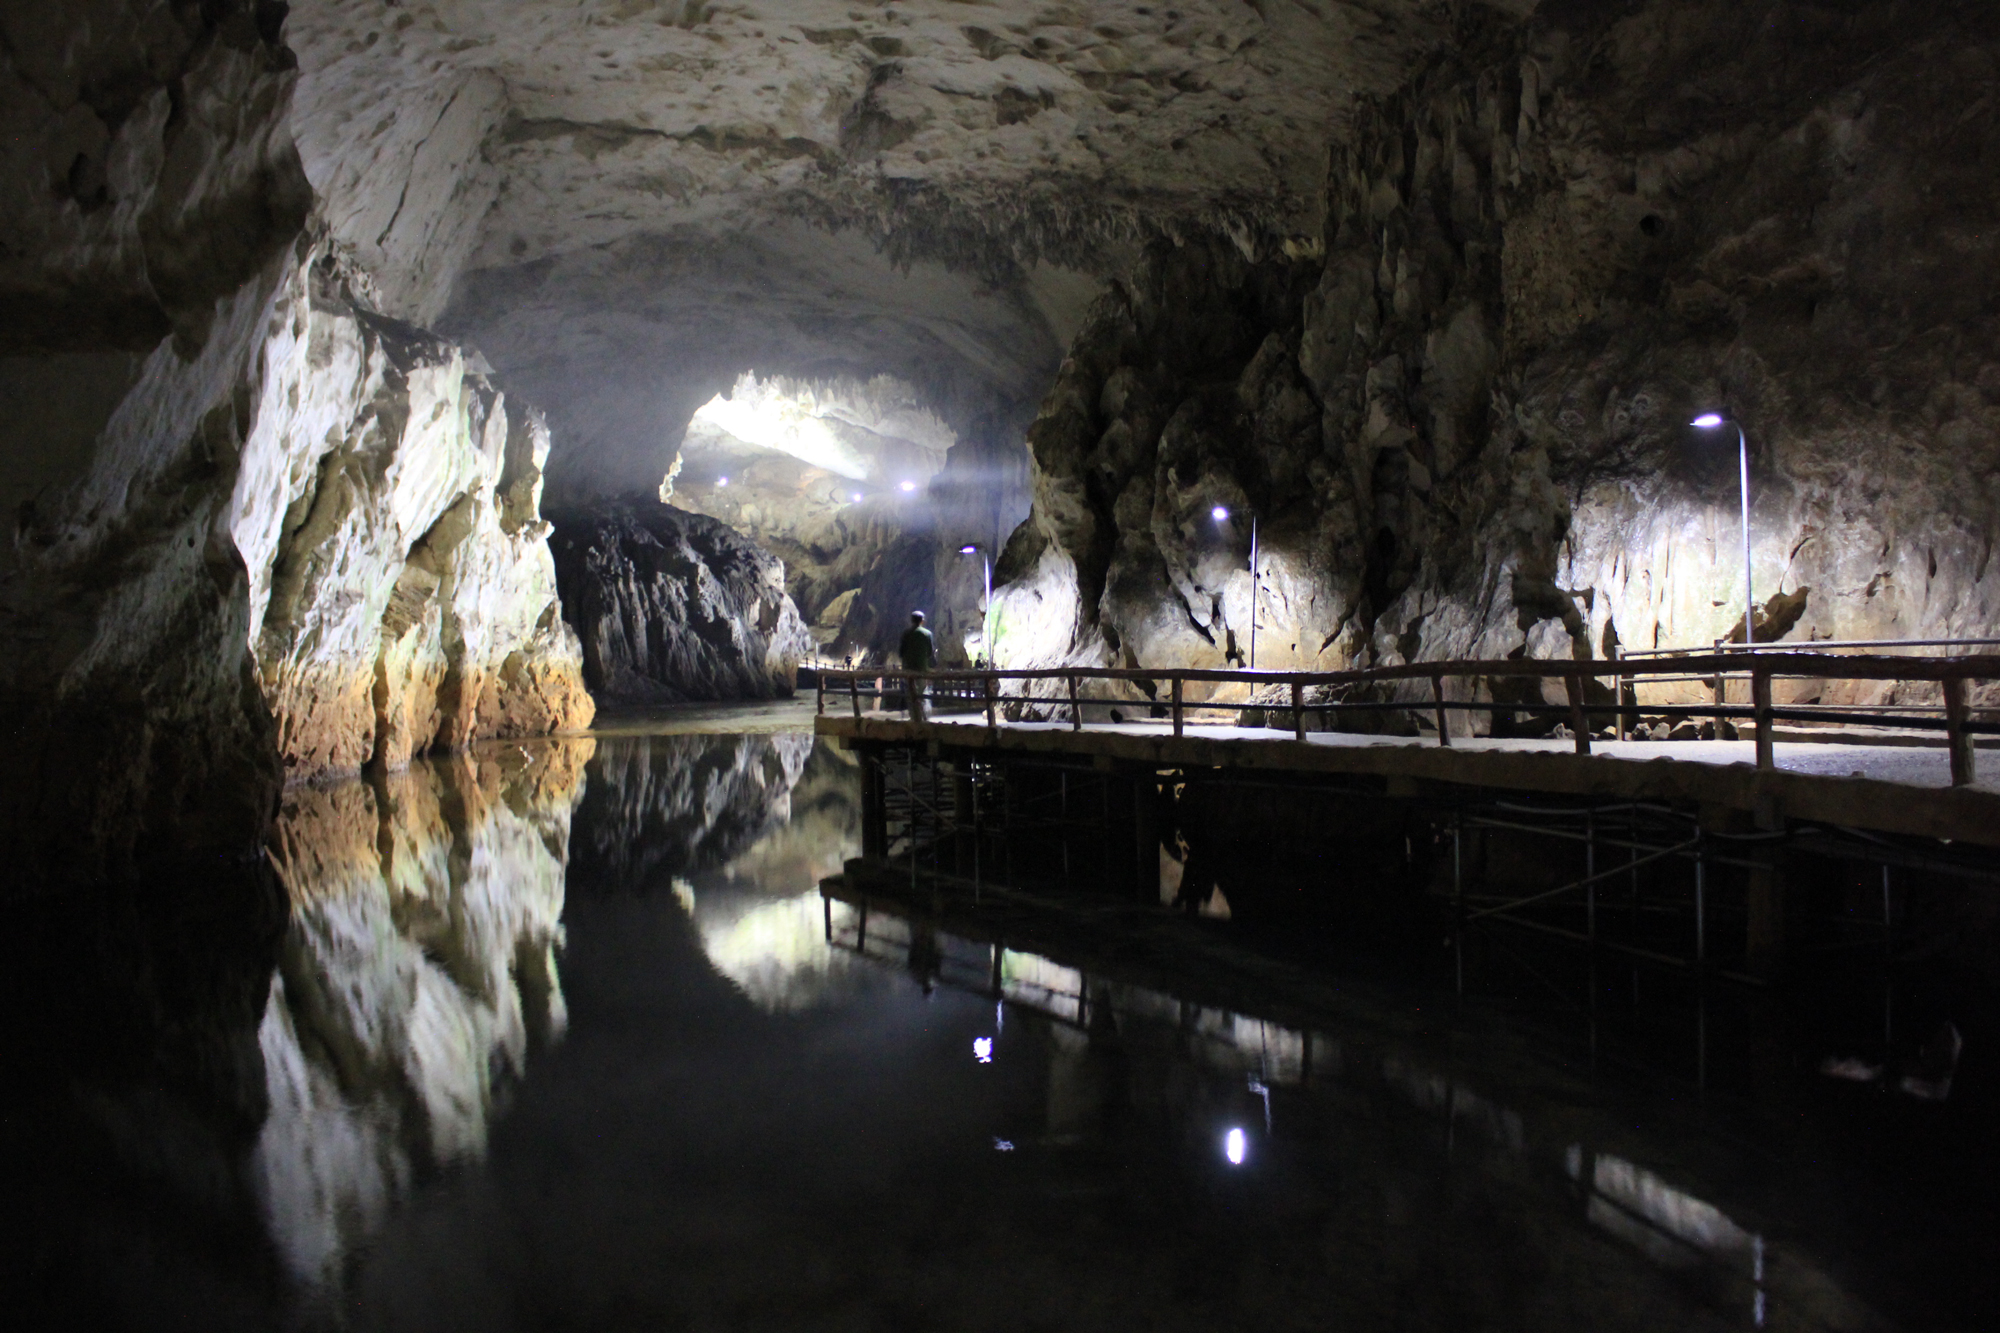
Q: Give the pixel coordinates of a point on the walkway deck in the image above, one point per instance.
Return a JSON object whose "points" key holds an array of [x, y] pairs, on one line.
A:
{"points": [[1897, 789]]}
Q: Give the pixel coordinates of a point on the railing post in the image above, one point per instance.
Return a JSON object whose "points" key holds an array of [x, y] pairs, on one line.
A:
{"points": [[1721, 692], [854, 694], [1177, 706], [1573, 686], [1963, 765], [1444, 719], [819, 693], [990, 683], [1075, 708], [1617, 696], [1298, 711], [1760, 700]]}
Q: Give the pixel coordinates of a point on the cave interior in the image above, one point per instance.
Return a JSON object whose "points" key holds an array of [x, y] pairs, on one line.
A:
{"points": [[385, 378]]}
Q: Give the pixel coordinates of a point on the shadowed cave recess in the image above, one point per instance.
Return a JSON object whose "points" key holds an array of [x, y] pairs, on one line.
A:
{"points": [[383, 378]]}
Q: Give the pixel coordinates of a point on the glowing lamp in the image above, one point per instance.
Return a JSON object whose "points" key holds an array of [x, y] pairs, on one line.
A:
{"points": [[1707, 421], [982, 1050], [1219, 514], [909, 486], [968, 550], [722, 481], [857, 497], [1235, 1147]]}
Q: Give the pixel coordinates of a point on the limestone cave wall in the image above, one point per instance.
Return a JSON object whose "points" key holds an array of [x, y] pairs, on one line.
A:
{"points": [[259, 532], [673, 606], [1459, 415], [402, 593]]}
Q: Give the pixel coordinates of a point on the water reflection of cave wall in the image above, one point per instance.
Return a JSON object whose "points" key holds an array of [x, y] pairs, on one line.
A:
{"points": [[659, 805], [416, 976]]}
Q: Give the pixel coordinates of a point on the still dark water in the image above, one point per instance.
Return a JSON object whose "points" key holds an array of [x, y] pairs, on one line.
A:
{"points": [[567, 1038]]}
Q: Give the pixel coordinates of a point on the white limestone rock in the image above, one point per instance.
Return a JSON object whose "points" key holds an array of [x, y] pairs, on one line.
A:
{"points": [[402, 593]]}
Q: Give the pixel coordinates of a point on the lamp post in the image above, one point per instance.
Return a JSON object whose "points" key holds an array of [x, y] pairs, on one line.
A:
{"points": [[1714, 421], [1221, 515], [986, 606]]}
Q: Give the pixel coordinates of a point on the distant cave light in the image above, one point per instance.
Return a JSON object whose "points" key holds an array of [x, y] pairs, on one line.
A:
{"points": [[907, 487], [1219, 514], [722, 481], [857, 497], [863, 430]]}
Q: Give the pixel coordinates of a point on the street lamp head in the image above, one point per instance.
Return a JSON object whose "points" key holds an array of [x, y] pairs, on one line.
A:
{"points": [[1708, 421], [909, 486], [1219, 514], [972, 549]]}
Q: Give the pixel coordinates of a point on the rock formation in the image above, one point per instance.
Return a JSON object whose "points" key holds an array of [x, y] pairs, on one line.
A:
{"points": [[259, 532], [868, 498], [402, 594], [673, 606], [1462, 429]]}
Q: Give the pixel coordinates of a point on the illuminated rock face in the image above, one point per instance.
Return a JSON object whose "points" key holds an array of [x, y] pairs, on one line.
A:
{"points": [[853, 485], [259, 533], [673, 606], [418, 975], [150, 190], [402, 594], [1462, 431]]}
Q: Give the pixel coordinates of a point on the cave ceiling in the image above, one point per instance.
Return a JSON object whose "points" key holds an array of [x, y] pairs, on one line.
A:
{"points": [[626, 203]]}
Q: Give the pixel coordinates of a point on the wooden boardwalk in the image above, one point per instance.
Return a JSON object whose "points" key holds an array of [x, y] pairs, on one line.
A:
{"points": [[1897, 789]]}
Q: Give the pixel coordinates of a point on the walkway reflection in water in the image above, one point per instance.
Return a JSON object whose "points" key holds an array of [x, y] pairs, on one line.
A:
{"points": [[541, 1048]]}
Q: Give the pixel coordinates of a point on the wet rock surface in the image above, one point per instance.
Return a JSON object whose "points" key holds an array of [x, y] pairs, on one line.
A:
{"points": [[1462, 431], [672, 606]]}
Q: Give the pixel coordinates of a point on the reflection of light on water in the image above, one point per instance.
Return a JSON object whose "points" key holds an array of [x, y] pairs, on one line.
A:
{"points": [[1669, 1226], [982, 1050], [1235, 1146], [1030, 979], [776, 952]]}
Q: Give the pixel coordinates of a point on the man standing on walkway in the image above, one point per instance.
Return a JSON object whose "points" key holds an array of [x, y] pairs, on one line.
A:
{"points": [[919, 652]]}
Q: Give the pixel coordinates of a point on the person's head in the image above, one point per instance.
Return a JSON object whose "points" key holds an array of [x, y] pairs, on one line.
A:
{"points": [[916, 617]]}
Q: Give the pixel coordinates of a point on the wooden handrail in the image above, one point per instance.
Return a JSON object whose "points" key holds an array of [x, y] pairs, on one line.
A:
{"points": [[1981, 666], [1761, 669]]}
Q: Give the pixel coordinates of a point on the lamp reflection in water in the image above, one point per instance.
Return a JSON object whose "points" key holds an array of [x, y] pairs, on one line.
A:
{"points": [[1235, 1146], [982, 1050]]}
